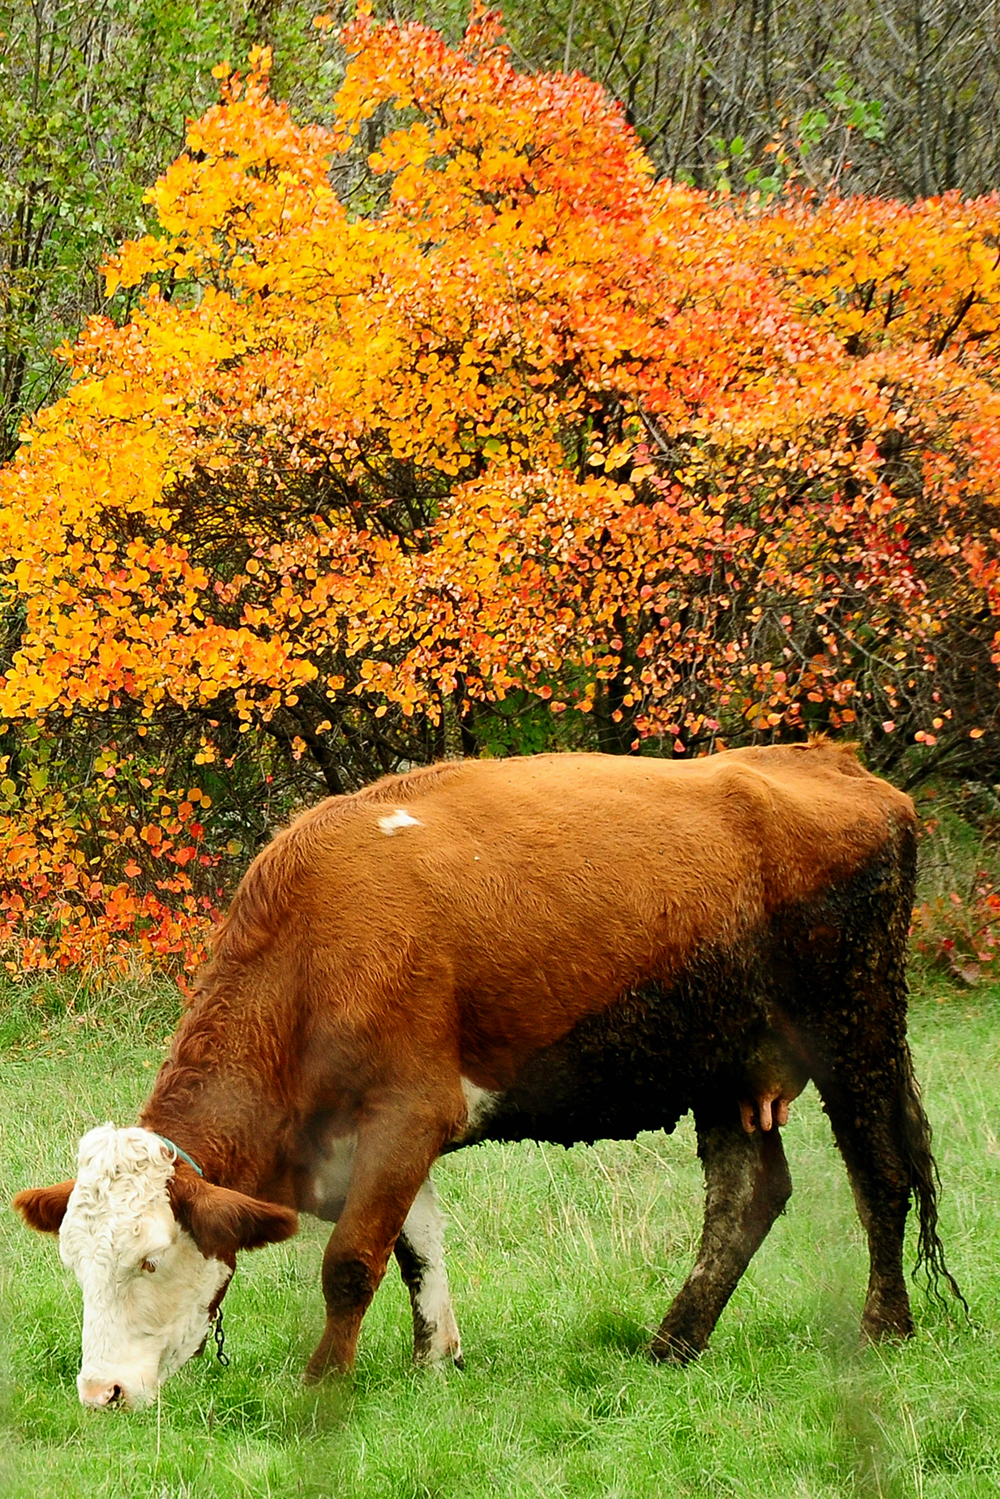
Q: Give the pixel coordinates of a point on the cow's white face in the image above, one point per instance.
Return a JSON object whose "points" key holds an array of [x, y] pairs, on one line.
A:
{"points": [[151, 1261], [147, 1287]]}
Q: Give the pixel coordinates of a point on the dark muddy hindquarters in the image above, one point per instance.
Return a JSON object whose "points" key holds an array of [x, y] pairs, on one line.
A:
{"points": [[820, 994]]}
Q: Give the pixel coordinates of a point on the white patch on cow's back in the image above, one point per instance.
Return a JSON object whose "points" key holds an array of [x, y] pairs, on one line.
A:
{"points": [[139, 1326], [333, 1176], [480, 1103], [400, 818]]}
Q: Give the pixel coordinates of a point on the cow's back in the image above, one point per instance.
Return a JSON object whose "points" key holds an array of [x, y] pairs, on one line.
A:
{"points": [[593, 856]]}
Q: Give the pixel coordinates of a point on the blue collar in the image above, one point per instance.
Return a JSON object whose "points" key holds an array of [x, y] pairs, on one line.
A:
{"points": [[182, 1153]]}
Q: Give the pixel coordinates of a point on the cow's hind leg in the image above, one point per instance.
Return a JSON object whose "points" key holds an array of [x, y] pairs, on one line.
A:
{"points": [[420, 1253], [848, 1004], [747, 1185], [880, 1127]]}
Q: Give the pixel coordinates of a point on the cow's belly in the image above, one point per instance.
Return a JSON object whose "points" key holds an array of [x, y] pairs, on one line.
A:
{"points": [[641, 1064]]}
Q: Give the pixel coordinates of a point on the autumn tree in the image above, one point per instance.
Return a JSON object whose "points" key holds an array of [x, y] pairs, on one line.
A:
{"points": [[447, 427]]}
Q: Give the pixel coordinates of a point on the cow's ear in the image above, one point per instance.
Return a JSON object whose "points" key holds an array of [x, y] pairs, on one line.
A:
{"points": [[44, 1207], [221, 1221]]}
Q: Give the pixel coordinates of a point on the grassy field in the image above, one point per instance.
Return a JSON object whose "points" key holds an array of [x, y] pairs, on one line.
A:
{"points": [[562, 1264]]}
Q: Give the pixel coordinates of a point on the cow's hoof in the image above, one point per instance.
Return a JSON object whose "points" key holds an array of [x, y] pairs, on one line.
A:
{"points": [[440, 1363], [673, 1348], [883, 1329], [320, 1368]]}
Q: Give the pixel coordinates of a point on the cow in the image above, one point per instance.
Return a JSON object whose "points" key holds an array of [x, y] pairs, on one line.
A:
{"points": [[564, 948]]}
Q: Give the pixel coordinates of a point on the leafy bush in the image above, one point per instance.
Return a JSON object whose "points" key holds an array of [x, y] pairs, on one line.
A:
{"points": [[450, 406]]}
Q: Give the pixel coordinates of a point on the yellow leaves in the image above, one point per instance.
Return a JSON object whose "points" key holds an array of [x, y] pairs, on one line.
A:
{"points": [[618, 455], [136, 259], [260, 63], [880, 274], [403, 148], [130, 907]]}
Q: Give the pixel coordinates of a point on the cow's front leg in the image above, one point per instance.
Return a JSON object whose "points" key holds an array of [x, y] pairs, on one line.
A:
{"points": [[396, 1147], [747, 1185], [420, 1252]]}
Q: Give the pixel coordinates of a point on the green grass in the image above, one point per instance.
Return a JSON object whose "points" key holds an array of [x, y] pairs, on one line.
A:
{"points": [[562, 1264]]}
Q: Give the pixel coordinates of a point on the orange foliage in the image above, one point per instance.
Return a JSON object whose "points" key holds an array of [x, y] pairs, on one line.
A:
{"points": [[84, 887], [502, 414]]}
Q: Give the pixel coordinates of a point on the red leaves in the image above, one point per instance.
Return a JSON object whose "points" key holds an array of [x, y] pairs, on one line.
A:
{"points": [[962, 933]]}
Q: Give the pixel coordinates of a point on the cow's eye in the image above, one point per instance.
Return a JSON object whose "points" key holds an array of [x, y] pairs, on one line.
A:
{"points": [[148, 1266]]}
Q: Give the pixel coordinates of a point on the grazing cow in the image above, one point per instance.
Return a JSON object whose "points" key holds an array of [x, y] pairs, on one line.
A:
{"points": [[562, 948]]}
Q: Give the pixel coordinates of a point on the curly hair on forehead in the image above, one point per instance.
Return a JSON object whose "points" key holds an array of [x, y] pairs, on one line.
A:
{"points": [[119, 1172]]}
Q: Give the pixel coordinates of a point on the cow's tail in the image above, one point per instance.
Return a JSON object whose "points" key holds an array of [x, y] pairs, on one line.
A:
{"points": [[925, 1181]]}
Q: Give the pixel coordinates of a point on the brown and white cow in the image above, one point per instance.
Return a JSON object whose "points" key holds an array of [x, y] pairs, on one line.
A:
{"points": [[561, 948]]}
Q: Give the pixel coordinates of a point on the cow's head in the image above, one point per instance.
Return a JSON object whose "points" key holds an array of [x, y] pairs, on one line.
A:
{"points": [[153, 1249]]}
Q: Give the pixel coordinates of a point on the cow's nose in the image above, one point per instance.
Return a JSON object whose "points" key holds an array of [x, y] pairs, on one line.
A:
{"points": [[98, 1392]]}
